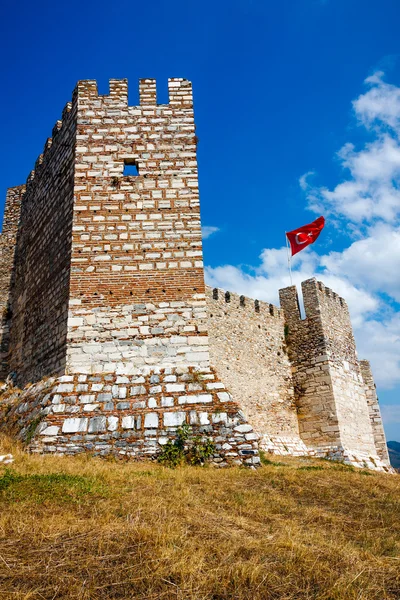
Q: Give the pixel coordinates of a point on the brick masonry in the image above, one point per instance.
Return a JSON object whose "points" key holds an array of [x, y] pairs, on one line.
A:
{"points": [[102, 291]]}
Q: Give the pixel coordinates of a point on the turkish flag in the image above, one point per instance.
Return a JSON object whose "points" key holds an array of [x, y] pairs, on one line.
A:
{"points": [[304, 236]]}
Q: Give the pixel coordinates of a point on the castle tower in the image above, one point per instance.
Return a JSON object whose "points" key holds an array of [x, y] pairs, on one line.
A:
{"points": [[137, 287], [329, 388]]}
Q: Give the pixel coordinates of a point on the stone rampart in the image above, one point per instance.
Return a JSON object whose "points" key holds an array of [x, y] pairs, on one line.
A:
{"points": [[374, 411], [248, 350], [328, 385], [129, 416]]}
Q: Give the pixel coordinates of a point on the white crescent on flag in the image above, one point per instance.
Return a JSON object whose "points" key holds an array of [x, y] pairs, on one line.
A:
{"points": [[299, 240]]}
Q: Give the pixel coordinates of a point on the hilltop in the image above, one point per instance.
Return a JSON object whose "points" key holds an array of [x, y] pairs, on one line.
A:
{"points": [[85, 528]]}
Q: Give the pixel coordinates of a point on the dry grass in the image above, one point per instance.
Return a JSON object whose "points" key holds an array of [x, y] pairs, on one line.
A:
{"points": [[82, 528]]}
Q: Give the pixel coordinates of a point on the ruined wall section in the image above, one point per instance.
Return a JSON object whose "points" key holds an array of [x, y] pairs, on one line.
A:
{"points": [[248, 350], [137, 288], [131, 416], [374, 412], [348, 385], [8, 239], [318, 422], [328, 384], [42, 262]]}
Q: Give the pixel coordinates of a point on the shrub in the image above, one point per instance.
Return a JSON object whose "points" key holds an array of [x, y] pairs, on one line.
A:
{"points": [[186, 449]]}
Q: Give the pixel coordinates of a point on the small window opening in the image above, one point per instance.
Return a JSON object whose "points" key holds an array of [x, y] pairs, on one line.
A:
{"points": [[130, 168]]}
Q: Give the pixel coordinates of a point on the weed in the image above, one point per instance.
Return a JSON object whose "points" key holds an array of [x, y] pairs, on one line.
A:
{"points": [[195, 377], [30, 432], [192, 450]]}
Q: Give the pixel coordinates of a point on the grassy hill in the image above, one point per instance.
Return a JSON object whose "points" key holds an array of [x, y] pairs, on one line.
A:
{"points": [[394, 454], [85, 528]]}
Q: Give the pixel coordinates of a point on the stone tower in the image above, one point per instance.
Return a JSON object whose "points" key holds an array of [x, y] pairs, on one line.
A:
{"points": [[107, 286], [330, 391]]}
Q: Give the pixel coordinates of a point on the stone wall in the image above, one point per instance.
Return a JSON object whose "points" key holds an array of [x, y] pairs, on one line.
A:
{"points": [[328, 385], [248, 350], [8, 239], [131, 416], [374, 411], [137, 286], [42, 261]]}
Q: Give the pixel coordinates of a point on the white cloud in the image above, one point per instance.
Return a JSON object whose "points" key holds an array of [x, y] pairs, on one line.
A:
{"points": [[207, 230], [380, 105], [372, 191], [379, 341], [303, 181], [372, 262]]}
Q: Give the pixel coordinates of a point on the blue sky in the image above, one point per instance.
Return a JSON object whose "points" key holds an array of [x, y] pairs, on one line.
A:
{"points": [[280, 94]]}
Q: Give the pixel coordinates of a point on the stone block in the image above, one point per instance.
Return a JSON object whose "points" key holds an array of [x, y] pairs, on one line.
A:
{"points": [[97, 424], [50, 431], [175, 387], [174, 419], [243, 428], [151, 420], [128, 422], [112, 423], [75, 425]]}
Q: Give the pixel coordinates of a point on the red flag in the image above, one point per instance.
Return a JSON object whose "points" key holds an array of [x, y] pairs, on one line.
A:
{"points": [[304, 236]]}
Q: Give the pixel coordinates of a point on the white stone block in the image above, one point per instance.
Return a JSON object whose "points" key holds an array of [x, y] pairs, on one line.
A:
{"points": [[193, 418], [220, 417], [65, 387], [151, 420], [97, 424], [195, 399], [128, 422], [175, 387], [52, 430], [75, 425], [112, 423], [75, 322], [174, 419], [203, 417], [243, 428], [167, 401]]}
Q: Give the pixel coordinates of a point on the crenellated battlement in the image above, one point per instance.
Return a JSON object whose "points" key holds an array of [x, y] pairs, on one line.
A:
{"points": [[316, 298], [330, 294], [179, 90], [52, 142], [236, 301]]}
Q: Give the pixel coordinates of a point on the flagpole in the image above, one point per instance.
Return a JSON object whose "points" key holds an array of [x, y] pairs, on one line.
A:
{"points": [[289, 259]]}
